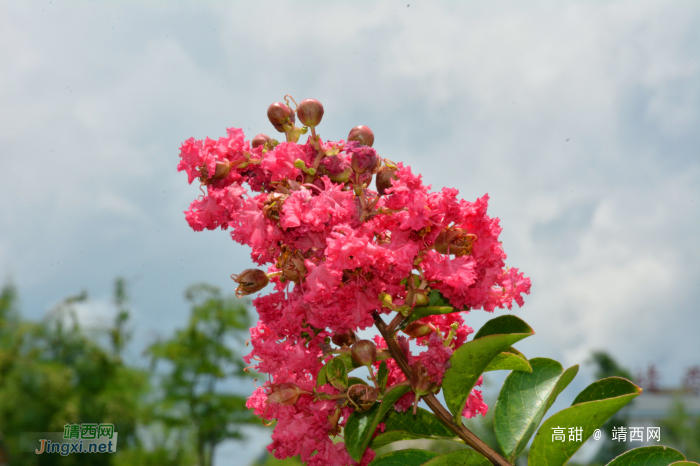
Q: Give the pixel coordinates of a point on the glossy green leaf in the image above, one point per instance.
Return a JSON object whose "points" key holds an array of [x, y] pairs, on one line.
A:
{"points": [[684, 463], [591, 408], [406, 426], [650, 456], [470, 360], [507, 361], [412, 457], [459, 458], [502, 325], [524, 400], [361, 426], [382, 377]]}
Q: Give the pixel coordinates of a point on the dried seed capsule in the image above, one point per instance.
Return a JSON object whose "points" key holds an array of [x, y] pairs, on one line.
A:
{"points": [[456, 241], [362, 134], [249, 281], [362, 397], [259, 140], [364, 352], [310, 112], [284, 394], [279, 114]]}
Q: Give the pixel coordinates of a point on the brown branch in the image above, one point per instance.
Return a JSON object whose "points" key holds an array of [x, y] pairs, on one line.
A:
{"points": [[465, 434]]}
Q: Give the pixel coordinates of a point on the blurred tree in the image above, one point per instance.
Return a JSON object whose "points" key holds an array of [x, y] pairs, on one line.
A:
{"points": [[198, 360], [682, 431], [52, 373], [606, 366]]}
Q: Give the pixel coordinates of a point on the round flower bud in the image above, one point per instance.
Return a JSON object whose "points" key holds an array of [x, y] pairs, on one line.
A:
{"points": [[310, 112], [364, 352], [259, 140], [417, 330], [362, 397], [343, 339], [279, 114], [384, 177], [362, 134], [284, 394], [421, 299], [222, 170], [249, 281]]}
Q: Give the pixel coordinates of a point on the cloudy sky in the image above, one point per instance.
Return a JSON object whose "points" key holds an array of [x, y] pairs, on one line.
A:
{"points": [[580, 120]]}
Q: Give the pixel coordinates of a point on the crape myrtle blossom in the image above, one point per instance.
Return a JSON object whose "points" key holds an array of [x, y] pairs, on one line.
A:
{"points": [[337, 252]]}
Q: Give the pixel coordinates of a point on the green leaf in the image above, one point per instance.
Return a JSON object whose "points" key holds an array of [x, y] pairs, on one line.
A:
{"points": [[406, 426], [507, 361], [321, 378], [382, 377], [412, 457], [437, 305], [337, 374], [470, 360], [355, 380], [591, 408], [459, 458], [650, 456], [424, 311], [502, 325], [361, 426], [684, 463], [524, 400]]}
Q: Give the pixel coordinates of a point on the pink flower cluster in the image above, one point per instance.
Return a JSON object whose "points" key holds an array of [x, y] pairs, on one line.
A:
{"points": [[337, 251]]}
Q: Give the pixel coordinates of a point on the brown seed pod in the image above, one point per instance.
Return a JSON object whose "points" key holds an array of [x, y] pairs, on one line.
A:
{"points": [[362, 397], [249, 281]]}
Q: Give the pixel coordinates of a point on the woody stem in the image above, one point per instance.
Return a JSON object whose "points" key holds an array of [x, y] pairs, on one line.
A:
{"points": [[465, 434]]}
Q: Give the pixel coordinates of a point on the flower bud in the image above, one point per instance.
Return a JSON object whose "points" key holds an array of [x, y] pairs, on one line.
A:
{"points": [[344, 339], [284, 394], [420, 383], [362, 134], [260, 140], [364, 352], [341, 177], [280, 114], [384, 177], [420, 299], [333, 421], [249, 281], [362, 397], [420, 380], [222, 170], [310, 112], [417, 330]]}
